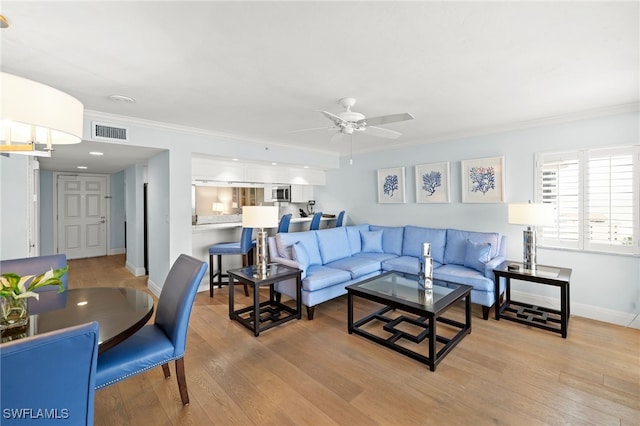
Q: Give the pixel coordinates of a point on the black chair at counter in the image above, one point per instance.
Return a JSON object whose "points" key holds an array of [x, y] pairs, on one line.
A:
{"points": [[244, 247]]}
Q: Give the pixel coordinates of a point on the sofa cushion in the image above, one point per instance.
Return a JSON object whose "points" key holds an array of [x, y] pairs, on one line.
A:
{"points": [[414, 236], [477, 255], [356, 266], [320, 276], [456, 248], [300, 255], [406, 264], [391, 238], [371, 241], [462, 275], [333, 244], [378, 257], [284, 241], [353, 233]]}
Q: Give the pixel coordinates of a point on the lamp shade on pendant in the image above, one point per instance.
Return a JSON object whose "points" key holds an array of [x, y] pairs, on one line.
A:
{"points": [[531, 214], [260, 216], [34, 112]]}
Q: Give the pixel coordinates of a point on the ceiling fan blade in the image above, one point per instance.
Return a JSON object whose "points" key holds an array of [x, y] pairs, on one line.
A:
{"points": [[383, 133], [385, 119], [312, 129], [336, 120]]}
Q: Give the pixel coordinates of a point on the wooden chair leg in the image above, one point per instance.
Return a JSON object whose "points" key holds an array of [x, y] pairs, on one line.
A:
{"points": [[165, 370], [182, 381]]}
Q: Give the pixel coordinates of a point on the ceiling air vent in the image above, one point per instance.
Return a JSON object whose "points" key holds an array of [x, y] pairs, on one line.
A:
{"points": [[109, 132]]}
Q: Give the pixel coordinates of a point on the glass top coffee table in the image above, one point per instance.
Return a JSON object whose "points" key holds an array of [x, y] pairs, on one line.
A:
{"points": [[410, 314]]}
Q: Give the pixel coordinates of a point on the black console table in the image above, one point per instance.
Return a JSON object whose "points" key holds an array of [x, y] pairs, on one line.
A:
{"points": [[524, 313]]}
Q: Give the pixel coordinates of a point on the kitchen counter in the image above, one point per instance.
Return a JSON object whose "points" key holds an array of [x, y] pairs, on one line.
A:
{"points": [[206, 227]]}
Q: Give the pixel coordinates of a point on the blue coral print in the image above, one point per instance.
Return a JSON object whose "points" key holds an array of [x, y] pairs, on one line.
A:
{"points": [[483, 179], [430, 181], [391, 184]]}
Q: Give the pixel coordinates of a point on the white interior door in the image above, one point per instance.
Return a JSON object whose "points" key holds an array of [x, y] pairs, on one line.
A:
{"points": [[82, 218]]}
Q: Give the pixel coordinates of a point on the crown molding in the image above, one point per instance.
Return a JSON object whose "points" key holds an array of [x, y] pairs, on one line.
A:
{"points": [[525, 124]]}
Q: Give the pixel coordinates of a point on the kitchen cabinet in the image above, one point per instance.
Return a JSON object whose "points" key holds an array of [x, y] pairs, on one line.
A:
{"points": [[301, 193]]}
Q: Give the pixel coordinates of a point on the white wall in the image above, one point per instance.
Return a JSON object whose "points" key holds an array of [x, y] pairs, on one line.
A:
{"points": [[134, 187], [117, 212], [159, 199], [14, 190], [605, 287]]}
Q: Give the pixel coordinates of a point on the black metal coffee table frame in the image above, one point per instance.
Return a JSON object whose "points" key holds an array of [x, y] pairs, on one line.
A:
{"points": [[428, 317]]}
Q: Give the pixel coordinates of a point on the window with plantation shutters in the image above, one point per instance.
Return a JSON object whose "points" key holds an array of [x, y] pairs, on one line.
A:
{"points": [[596, 196]]}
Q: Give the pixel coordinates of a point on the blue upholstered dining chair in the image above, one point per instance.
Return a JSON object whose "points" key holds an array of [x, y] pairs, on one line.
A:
{"points": [[36, 266], [340, 220], [53, 371], [163, 341], [315, 221], [285, 220], [243, 247]]}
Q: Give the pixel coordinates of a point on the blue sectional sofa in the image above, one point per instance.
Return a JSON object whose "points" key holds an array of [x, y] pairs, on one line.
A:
{"points": [[331, 259]]}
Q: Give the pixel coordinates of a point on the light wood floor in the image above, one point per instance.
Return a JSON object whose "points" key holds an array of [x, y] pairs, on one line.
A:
{"points": [[315, 373]]}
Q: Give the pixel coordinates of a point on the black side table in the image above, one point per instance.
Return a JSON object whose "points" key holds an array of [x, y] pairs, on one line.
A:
{"points": [[264, 315], [524, 313]]}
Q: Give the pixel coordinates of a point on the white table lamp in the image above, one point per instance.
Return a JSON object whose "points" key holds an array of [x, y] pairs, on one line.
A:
{"points": [[260, 217], [531, 215]]}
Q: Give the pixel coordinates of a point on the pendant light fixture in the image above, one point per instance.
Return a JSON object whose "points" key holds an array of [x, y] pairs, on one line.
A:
{"points": [[32, 114]]}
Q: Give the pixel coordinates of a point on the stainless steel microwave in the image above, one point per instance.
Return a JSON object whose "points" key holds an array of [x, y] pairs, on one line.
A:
{"points": [[281, 193]]}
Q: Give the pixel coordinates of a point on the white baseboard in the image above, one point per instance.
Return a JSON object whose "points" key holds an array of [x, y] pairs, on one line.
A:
{"points": [[624, 319], [137, 271], [155, 288], [117, 251]]}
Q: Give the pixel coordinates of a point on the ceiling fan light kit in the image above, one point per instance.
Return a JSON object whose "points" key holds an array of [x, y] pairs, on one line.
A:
{"points": [[348, 122]]}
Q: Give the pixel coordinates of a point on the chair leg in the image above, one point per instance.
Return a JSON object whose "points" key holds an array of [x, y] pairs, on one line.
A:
{"points": [[211, 275], [165, 370], [182, 381]]}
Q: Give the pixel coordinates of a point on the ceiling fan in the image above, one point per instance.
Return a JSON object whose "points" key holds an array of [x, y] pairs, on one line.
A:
{"points": [[348, 122]]}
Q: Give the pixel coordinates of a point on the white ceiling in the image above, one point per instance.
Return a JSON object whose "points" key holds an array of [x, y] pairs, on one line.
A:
{"points": [[260, 69]]}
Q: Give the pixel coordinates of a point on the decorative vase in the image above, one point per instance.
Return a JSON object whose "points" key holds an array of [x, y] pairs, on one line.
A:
{"points": [[425, 274], [14, 312]]}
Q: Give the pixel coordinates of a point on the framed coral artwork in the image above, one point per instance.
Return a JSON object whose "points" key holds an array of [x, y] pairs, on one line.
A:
{"points": [[432, 183], [391, 187], [483, 180]]}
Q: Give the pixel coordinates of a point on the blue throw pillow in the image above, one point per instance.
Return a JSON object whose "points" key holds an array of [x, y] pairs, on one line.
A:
{"points": [[371, 241], [300, 255], [477, 255]]}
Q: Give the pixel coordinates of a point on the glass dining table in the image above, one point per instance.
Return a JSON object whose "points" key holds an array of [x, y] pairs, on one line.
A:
{"points": [[120, 312]]}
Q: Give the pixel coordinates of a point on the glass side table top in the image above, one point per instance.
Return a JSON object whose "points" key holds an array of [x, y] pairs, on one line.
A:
{"points": [[274, 271]]}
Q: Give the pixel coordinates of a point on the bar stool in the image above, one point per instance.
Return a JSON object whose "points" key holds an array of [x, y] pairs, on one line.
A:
{"points": [[315, 221], [285, 220], [244, 247], [340, 219]]}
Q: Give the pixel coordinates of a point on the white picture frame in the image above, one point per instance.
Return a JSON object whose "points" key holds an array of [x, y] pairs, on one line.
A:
{"points": [[432, 183], [483, 180], [391, 185]]}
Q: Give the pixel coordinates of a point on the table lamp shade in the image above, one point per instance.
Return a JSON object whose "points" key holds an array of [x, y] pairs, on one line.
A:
{"points": [[260, 216], [531, 214]]}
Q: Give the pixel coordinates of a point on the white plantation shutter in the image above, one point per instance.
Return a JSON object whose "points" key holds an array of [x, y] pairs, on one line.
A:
{"points": [[596, 194], [610, 199], [559, 185]]}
